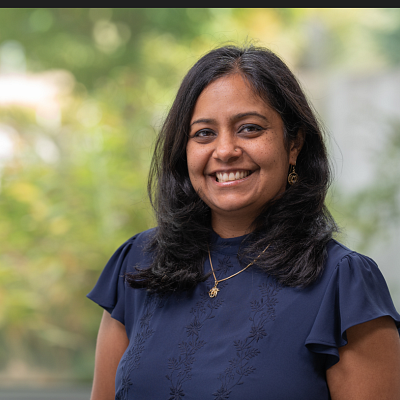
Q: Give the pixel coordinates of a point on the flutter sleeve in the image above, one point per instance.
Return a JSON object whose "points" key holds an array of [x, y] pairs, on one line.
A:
{"points": [[356, 293], [109, 291]]}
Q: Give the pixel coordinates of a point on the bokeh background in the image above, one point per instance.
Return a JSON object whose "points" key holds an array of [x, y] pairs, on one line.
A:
{"points": [[83, 93]]}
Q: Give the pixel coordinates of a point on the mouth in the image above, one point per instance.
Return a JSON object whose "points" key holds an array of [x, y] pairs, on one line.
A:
{"points": [[231, 176]]}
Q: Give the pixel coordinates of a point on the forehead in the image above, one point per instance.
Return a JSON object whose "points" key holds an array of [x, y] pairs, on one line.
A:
{"points": [[229, 95]]}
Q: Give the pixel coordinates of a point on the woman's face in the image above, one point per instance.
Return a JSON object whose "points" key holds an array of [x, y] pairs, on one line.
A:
{"points": [[236, 155]]}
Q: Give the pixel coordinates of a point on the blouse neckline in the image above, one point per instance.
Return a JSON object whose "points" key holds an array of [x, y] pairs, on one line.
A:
{"points": [[227, 246]]}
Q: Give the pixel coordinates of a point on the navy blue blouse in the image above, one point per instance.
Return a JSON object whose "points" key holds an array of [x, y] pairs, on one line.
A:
{"points": [[255, 340]]}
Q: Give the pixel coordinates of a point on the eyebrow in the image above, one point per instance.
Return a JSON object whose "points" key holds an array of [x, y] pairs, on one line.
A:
{"points": [[233, 119]]}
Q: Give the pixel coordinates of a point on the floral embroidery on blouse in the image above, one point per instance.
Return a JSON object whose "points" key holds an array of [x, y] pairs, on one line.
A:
{"points": [[224, 265], [131, 359], [239, 367], [181, 367]]}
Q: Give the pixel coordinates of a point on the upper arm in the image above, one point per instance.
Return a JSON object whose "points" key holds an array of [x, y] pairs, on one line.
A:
{"points": [[369, 366], [112, 342]]}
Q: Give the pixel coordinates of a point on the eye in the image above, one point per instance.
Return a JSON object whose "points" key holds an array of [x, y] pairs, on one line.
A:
{"points": [[204, 133], [250, 128]]}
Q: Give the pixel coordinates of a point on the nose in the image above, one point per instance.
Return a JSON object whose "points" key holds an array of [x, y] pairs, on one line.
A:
{"points": [[226, 148]]}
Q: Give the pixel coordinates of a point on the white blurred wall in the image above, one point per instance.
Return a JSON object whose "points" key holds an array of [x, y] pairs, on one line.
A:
{"points": [[357, 110]]}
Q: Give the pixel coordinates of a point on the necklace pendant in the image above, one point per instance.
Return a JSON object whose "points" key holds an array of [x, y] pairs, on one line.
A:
{"points": [[214, 291]]}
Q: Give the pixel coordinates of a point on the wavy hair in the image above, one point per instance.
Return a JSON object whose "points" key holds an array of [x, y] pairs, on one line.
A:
{"points": [[297, 224]]}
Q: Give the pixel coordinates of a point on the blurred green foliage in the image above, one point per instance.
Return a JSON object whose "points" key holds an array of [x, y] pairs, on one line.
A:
{"points": [[74, 187]]}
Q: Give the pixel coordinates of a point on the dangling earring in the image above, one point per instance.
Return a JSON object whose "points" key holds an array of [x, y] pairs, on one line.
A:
{"points": [[292, 178]]}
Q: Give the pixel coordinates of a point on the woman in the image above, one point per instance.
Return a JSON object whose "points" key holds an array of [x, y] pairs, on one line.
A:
{"points": [[241, 292]]}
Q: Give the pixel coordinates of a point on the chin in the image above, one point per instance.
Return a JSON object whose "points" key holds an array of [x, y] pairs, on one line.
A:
{"points": [[231, 208]]}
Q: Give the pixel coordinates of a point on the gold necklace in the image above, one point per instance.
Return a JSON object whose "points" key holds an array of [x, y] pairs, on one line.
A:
{"points": [[214, 291]]}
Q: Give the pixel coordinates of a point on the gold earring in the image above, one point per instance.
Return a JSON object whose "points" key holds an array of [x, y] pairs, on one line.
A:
{"points": [[292, 178]]}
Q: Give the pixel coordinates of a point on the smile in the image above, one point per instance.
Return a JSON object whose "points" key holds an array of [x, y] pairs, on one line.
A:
{"points": [[231, 176]]}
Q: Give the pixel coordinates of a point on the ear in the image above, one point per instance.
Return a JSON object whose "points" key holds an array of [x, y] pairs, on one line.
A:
{"points": [[296, 146]]}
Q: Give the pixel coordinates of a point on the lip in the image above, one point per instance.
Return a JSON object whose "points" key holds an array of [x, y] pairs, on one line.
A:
{"points": [[230, 170], [227, 171], [230, 183]]}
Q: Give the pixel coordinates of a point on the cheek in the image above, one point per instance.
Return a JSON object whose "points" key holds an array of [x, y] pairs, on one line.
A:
{"points": [[190, 159], [196, 159], [273, 161], [194, 169], [269, 154]]}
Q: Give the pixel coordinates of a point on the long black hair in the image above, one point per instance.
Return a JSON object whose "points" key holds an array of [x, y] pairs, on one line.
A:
{"points": [[297, 224]]}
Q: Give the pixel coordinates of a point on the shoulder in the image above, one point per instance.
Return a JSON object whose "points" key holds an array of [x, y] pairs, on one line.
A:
{"points": [[339, 257], [336, 251], [351, 291], [355, 280], [141, 239], [138, 242], [350, 270], [134, 251]]}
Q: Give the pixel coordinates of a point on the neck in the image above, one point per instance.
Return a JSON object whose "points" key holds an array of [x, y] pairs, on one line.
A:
{"points": [[230, 227]]}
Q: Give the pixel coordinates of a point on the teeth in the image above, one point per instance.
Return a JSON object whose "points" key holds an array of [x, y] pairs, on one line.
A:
{"points": [[224, 177]]}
